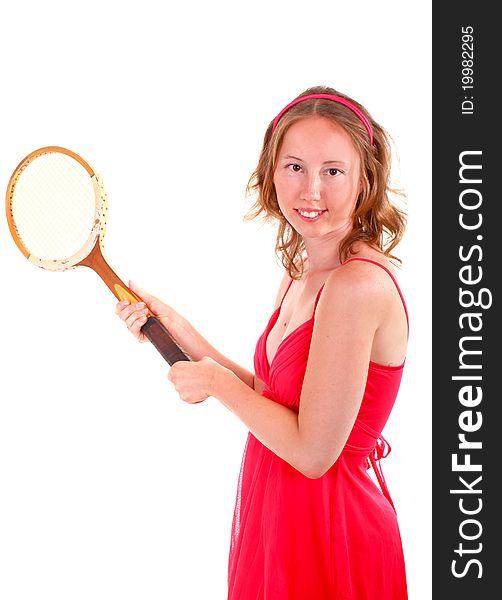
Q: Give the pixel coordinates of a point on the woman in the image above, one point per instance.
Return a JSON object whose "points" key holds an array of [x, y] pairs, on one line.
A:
{"points": [[309, 522]]}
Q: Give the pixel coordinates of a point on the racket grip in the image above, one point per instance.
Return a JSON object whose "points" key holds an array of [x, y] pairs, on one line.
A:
{"points": [[162, 340]]}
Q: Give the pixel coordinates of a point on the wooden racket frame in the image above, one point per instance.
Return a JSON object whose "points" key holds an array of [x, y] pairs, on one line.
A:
{"points": [[94, 258]]}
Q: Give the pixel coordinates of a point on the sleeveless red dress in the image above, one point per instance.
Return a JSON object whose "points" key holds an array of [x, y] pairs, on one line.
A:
{"points": [[332, 538]]}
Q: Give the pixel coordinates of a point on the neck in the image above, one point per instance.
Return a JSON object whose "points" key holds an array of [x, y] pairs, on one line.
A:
{"points": [[323, 253]]}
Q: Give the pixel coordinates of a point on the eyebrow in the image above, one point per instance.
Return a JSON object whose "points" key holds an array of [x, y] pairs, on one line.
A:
{"points": [[326, 162]]}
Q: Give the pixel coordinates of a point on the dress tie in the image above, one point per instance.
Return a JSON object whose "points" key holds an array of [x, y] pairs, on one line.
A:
{"points": [[381, 450]]}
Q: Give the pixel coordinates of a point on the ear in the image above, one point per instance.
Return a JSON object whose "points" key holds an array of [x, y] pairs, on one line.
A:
{"points": [[362, 190], [363, 183], [360, 187]]}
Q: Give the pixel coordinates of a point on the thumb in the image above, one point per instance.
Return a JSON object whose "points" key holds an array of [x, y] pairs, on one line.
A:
{"points": [[142, 294], [156, 306]]}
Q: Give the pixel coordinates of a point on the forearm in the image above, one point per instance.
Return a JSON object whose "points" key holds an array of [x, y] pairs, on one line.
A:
{"points": [[183, 332], [274, 425], [197, 347]]}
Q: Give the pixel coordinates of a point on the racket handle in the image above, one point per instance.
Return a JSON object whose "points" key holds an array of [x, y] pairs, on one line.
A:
{"points": [[162, 340]]}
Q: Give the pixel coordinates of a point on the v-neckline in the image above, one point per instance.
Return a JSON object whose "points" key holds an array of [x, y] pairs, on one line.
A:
{"points": [[275, 316], [272, 322], [277, 312]]}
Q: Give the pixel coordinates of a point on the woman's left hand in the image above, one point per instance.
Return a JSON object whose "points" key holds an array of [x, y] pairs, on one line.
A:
{"points": [[197, 380]]}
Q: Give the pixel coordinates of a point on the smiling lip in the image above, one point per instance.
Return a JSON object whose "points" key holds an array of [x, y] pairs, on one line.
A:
{"points": [[310, 215]]}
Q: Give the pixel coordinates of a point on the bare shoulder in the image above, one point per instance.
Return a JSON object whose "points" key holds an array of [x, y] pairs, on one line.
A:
{"points": [[361, 303], [358, 284], [363, 275]]}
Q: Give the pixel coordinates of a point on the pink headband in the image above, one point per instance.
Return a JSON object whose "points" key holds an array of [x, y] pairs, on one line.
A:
{"points": [[340, 100]]}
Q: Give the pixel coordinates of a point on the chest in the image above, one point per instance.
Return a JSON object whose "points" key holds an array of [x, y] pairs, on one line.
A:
{"points": [[296, 310]]}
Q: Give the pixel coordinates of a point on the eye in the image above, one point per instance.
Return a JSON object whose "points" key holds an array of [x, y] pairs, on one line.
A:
{"points": [[333, 172], [294, 167]]}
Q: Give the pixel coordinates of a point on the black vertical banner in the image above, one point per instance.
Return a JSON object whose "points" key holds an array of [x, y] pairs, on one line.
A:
{"points": [[467, 268]]}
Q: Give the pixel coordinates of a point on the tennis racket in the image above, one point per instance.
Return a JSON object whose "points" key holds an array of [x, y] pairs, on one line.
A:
{"points": [[57, 211]]}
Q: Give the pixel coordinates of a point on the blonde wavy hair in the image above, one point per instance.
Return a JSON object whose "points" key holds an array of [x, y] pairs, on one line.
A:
{"points": [[376, 220]]}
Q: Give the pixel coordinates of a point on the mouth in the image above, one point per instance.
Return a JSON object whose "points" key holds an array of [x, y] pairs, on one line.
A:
{"points": [[310, 215]]}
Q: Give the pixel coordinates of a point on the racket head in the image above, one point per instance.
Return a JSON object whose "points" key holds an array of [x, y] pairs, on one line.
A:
{"points": [[56, 208]]}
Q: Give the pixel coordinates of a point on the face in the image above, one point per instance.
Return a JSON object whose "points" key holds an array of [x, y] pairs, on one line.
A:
{"points": [[317, 178]]}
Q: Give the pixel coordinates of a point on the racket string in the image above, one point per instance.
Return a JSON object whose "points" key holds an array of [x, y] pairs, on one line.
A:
{"points": [[54, 207]]}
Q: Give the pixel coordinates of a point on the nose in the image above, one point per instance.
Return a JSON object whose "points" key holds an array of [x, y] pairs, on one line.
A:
{"points": [[313, 188]]}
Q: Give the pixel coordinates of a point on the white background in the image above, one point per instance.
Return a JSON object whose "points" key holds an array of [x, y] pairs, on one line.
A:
{"points": [[110, 487]]}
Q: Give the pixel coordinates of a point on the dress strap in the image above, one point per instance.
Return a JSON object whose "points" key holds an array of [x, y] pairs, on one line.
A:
{"points": [[374, 262], [287, 290], [389, 272], [318, 296]]}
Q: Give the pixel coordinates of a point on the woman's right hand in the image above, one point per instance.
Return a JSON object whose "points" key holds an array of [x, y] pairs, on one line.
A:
{"points": [[135, 315]]}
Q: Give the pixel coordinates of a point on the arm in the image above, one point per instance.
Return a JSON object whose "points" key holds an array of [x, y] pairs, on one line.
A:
{"points": [[182, 331], [345, 325]]}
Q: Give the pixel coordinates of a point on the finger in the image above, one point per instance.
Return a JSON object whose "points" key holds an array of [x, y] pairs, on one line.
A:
{"points": [[171, 374], [192, 396], [192, 399], [119, 307], [136, 320], [158, 308], [176, 370], [141, 293], [130, 309]]}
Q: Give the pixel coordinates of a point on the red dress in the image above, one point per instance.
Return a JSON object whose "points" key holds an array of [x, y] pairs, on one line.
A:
{"points": [[336, 537]]}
